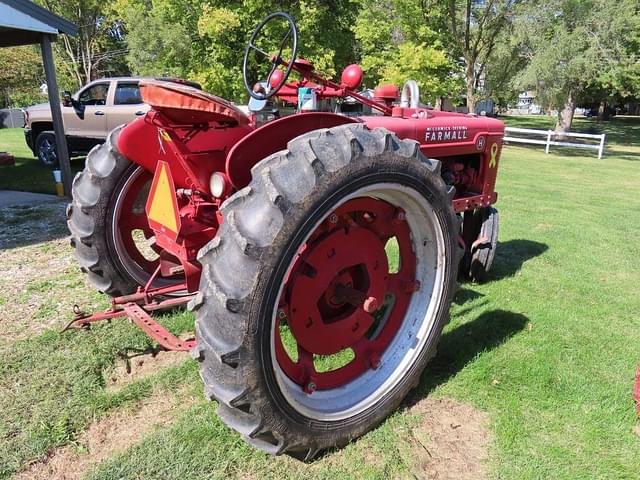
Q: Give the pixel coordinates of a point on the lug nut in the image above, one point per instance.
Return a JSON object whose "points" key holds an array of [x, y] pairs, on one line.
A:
{"points": [[333, 218], [310, 388], [411, 286], [370, 305], [374, 361]]}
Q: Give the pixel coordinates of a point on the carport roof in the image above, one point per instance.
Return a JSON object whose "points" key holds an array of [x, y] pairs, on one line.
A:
{"points": [[23, 22]]}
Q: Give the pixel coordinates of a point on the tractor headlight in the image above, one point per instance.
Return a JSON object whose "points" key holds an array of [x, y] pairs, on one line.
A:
{"points": [[217, 184]]}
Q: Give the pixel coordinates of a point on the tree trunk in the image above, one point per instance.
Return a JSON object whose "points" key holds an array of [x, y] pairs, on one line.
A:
{"points": [[470, 82], [471, 99], [602, 111], [565, 116]]}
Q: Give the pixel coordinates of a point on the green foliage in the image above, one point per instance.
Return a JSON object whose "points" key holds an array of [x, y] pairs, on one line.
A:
{"points": [[205, 41], [396, 46], [21, 74], [97, 50], [574, 45]]}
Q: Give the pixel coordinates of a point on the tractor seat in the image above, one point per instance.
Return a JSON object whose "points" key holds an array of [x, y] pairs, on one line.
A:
{"points": [[188, 105]]}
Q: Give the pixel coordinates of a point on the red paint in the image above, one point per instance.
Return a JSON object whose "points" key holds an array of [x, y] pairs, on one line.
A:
{"points": [[271, 138], [340, 277], [138, 307], [194, 152], [463, 143], [352, 77]]}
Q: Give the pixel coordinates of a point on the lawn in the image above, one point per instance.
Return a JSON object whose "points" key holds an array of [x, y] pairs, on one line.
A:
{"points": [[28, 174], [541, 357]]}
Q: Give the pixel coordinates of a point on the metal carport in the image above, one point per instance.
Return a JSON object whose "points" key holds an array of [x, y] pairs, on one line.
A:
{"points": [[24, 23]]}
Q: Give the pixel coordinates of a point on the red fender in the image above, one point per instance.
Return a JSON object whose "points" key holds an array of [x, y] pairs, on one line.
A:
{"points": [[272, 138]]}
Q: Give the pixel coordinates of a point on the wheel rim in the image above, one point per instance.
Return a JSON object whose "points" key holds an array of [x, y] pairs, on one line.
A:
{"points": [[342, 304], [47, 152], [131, 236]]}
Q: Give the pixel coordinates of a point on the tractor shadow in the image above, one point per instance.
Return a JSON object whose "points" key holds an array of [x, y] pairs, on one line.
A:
{"points": [[462, 345], [38, 223], [511, 255]]}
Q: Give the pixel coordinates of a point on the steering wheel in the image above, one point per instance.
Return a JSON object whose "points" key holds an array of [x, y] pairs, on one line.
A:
{"points": [[291, 37]]}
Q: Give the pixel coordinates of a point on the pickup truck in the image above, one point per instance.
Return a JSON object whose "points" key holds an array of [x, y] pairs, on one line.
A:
{"points": [[88, 116]]}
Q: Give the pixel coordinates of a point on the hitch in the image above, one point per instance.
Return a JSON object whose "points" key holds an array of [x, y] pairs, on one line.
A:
{"points": [[137, 307]]}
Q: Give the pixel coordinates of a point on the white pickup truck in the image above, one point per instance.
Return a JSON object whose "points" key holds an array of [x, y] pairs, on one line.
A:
{"points": [[88, 116]]}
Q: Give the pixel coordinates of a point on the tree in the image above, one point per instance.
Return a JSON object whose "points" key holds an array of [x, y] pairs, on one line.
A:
{"points": [[205, 40], [474, 29], [396, 45], [98, 42], [21, 74], [571, 45]]}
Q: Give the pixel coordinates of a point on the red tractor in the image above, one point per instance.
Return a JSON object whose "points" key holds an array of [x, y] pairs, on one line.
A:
{"points": [[319, 251]]}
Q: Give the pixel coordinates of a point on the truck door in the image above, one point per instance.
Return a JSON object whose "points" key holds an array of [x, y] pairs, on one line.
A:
{"points": [[127, 104], [88, 118]]}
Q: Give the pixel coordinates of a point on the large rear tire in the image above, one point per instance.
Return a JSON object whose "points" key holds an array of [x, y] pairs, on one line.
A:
{"points": [[109, 230], [299, 269]]}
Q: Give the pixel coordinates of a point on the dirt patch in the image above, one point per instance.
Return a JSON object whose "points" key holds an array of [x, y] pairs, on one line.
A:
{"points": [[131, 369], [107, 437], [39, 278], [451, 442]]}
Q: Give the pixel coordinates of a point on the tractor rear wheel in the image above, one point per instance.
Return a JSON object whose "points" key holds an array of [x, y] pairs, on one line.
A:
{"points": [[325, 292], [109, 230]]}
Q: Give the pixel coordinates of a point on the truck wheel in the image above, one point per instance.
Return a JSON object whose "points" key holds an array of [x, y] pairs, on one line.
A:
{"points": [[46, 149], [484, 248], [109, 230], [310, 329]]}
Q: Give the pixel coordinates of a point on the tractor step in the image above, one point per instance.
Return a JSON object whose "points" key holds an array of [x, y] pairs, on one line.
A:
{"points": [[138, 307]]}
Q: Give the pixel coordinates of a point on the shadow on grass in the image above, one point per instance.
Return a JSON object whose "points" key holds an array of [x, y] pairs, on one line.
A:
{"points": [[464, 295], [23, 225], [511, 255], [463, 344]]}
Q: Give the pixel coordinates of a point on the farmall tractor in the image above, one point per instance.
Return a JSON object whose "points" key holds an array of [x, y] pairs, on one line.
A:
{"points": [[319, 251]]}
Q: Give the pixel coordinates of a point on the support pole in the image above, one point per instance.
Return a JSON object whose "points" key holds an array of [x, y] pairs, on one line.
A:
{"points": [[546, 150], [601, 148], [56, 113]]}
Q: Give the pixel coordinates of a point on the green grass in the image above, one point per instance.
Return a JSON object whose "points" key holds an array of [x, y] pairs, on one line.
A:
{"points": [[28, 174], [547, 347]]}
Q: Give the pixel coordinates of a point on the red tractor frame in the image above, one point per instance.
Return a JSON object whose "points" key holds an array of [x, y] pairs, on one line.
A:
{"points": [[278, 235]]}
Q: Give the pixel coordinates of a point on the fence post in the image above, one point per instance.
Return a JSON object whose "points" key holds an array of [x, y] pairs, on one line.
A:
{"points": [[546, 149], [601, 149]]}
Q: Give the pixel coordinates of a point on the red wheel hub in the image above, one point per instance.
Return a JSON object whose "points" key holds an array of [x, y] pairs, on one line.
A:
{"points": [[340, 293], [326, 311]]}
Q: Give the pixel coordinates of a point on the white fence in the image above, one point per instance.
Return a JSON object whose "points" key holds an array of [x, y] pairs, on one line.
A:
{"points": [[550, 135]]}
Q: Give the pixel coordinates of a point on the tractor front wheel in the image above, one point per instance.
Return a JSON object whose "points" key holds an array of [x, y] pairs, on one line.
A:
{"points": [[325, 292]]}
